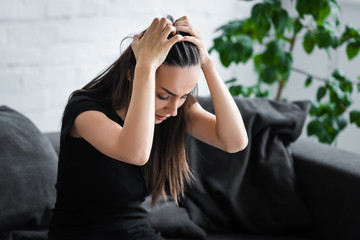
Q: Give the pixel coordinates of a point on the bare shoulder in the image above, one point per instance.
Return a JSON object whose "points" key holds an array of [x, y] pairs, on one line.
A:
{"points": [[197, 113], [87, 121], [201, 124]]}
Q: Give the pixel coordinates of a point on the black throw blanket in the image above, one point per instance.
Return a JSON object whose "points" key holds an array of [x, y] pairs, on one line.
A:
{"points": [[253, 190]]}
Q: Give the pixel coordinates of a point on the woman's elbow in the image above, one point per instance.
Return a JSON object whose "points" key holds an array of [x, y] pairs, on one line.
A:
{"points": [[237, 146], [141, 159], [141, 162], [138, 158]]}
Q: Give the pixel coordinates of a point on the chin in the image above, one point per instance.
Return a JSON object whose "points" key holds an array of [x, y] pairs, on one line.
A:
{"points": [[158, 121]]}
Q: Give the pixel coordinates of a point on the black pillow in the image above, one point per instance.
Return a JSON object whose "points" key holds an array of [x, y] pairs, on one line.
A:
{"points": [[171, 220], [28, 168], [254, 190]]}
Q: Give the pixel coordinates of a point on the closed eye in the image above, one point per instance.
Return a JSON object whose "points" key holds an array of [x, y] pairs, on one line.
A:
{"points": [[162, 98]]}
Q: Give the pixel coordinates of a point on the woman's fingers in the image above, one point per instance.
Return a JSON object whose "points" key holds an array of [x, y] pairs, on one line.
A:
{"points": [[193, 40], [176, 38], [183, 25], [163, 23], [137, 37], [153, 25], [154, 45], [167, 30], [183, 18], [157, 26], [188, 29]]}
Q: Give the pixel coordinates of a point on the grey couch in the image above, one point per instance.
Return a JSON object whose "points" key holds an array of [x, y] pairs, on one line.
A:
{"points": [[326, 182], [329, 180]]}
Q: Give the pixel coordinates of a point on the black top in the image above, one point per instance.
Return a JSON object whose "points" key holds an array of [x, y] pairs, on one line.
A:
{"points": [[92, 188]]}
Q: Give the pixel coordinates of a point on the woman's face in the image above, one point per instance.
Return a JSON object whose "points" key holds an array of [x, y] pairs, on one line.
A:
{"points": [[173, 85]]}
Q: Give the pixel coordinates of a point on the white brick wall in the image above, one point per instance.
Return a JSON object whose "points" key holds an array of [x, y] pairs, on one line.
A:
{"points": [[48, 48]]}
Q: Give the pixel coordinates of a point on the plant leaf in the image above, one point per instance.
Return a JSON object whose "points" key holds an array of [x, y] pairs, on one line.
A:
{"points": [[297, 26], [272, 50], [355, 117], [269, 74], [261, 14], [280, 20], [318, 110], [323, 37], [314, 128], [349, 33], [309, 42], [341, 123], [302, 7], [308, 81], [345, 84], [320, 93], [257, 62], [323, 14], [321, 129], [236, 90], [230, 81], [352, 49]]}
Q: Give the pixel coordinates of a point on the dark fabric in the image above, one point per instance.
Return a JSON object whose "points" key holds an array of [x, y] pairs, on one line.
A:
{"points": [[27, 173], [252, 237], [330, 180], [94, 192], [25, 234], [124, 229], [254, 190], [166, 218], [172, 220]]}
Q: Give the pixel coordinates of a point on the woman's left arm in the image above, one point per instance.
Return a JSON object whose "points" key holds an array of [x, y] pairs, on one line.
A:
{"points": [[226, 129]]}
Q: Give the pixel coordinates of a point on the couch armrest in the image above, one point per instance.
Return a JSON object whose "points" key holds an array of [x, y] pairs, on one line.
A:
{"points": [[329, 181], [54, 138]]}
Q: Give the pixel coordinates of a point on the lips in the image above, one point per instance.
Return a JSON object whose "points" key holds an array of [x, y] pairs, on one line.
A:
{"points": [[160, 118]]}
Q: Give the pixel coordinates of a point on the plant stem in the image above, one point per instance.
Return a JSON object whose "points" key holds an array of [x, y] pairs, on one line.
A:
{"points": [[292, 42], [281, 87], [308, 74], [282, 81], [322, 79]]}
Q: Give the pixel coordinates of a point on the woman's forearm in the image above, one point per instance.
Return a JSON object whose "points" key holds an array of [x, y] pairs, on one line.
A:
{"points": [[138, 129], [229, 123]]}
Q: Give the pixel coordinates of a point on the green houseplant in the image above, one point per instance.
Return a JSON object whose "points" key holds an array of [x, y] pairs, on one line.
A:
{"points": [[271, 29]]}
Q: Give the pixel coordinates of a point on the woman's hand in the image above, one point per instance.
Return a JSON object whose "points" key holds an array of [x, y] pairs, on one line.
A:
{"points": [[225, 129], [153, 46], [183, 25]]}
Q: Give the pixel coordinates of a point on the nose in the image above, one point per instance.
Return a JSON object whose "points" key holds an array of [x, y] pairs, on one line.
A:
{"points": [[172, 108]]}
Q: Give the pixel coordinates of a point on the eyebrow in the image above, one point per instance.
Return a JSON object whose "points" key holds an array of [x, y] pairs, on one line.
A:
{"points": [[171, 93]]}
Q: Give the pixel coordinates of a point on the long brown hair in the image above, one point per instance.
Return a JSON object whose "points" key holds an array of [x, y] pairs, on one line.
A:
{"points": [[167, 163]]}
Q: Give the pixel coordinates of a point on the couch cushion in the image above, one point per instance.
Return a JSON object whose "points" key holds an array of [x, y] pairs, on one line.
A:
{"points": [[252, 237], [28, 165], [254, 190], [25, 234], [171, 220]]}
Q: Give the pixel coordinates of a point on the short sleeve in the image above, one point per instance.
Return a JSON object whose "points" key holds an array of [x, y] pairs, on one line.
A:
{"points": [[75, 106]]}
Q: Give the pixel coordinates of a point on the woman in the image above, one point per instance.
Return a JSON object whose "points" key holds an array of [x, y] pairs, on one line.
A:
{"points": [[122, 135]]}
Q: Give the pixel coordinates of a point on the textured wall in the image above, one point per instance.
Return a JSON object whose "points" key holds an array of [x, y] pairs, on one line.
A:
{"points": [[319, 64], [48, 48]]}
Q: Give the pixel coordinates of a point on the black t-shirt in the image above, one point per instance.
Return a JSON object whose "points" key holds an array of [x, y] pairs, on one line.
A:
{"points": [[92, 188]]}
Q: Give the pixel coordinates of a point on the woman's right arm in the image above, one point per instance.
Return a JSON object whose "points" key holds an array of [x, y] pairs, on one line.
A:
{"points": [[132, 143]]}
